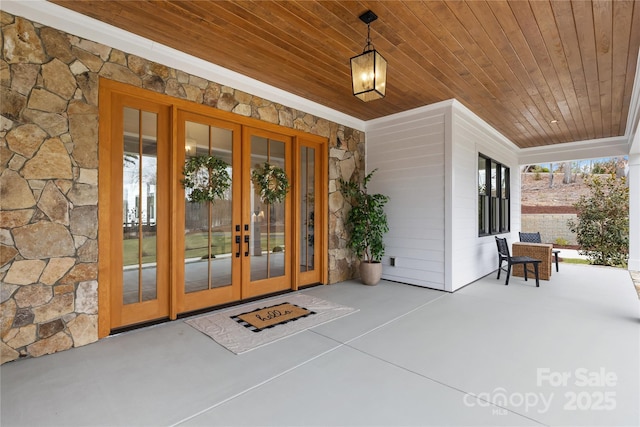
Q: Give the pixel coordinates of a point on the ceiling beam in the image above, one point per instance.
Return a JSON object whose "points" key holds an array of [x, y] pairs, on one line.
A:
{"points": [[580, 150]]}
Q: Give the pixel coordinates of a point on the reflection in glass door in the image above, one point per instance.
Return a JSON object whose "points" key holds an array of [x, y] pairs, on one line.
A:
{"points": [[309, 219], [267, 220], [210, 249], [139, 178], [162, 256], [307, 209], [268, 224], [138, 208], [208, 230]]}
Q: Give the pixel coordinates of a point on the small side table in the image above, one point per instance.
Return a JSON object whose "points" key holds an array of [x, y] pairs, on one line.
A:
{"points": [[541, 251]]}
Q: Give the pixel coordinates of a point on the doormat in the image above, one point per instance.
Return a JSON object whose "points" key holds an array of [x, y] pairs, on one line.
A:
{"points": [[226, 330], [268, 317]]}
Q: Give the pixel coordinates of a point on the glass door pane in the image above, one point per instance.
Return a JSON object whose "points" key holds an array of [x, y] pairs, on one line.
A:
{"points": [[139, 180], [307, 208], [267, 227], [134, 168], [208, 226], [207, 244]]}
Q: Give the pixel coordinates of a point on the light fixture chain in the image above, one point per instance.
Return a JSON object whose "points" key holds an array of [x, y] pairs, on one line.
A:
{"points": [[369, 45]]}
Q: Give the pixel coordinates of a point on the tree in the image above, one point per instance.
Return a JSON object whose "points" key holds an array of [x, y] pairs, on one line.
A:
{"points": [[602, 225], [566, 166]]}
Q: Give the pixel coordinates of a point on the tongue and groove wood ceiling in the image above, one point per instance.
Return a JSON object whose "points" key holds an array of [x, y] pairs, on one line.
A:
{"points": [[520, 65]]}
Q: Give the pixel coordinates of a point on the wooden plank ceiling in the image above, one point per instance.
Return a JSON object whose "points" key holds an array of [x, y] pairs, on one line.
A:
{"points": [[519, 65]]}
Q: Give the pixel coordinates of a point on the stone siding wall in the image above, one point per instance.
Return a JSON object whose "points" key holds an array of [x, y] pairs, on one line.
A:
{"points": [[49, 176], [550, 226]]}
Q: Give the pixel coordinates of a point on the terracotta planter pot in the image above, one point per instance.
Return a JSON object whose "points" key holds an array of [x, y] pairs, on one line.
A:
{"points": [[370, 272]]}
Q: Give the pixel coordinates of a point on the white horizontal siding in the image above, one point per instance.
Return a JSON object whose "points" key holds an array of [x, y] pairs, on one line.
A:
{"points": [[427, 165], [430, 229], [409, 155], [473, 257], [427, 249], [394, 163], [428, 253]]}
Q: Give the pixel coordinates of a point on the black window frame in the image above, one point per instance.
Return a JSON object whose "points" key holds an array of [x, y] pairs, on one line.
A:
{"points": [[494, 197]]}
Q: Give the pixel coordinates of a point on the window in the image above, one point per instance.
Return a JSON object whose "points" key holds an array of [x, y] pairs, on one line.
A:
{"points": [[493, 197]]}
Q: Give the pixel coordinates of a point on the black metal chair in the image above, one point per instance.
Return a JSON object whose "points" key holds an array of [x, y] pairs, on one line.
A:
{"points": [[535, 238], [504, 255]]}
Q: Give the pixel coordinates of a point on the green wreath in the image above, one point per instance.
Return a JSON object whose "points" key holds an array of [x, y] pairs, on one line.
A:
{"points": [[271, 182], [206, 177]]}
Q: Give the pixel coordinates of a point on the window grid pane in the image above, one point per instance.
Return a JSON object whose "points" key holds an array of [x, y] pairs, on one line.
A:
{"points": [[494, 215]]}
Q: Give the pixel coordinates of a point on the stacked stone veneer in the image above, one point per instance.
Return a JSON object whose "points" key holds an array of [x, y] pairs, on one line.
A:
{"points": [[49, 176]]}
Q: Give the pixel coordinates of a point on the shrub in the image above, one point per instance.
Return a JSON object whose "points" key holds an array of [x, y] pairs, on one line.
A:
{"points": [[605, 167], [602, 225], [561, 241]]}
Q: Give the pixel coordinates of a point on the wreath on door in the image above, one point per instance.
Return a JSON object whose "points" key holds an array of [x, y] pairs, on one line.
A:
{"points": [[205, 178], [271, 182]]}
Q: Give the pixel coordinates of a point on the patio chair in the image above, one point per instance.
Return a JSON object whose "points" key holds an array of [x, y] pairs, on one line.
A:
{"points": [[503, 255], [535, 238]]}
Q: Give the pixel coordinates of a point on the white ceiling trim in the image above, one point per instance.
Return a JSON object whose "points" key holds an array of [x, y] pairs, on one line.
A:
{"points": [[635, 144], [632, 130], [506, 142], [83, 26], [581, 150], [634, 106]]}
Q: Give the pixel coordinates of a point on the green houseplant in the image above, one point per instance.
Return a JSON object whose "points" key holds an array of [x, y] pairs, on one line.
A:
{"points": [[367, 224]]}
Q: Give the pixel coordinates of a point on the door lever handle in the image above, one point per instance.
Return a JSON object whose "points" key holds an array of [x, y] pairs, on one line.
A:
{"points": [[246, 240], [239, 246]]}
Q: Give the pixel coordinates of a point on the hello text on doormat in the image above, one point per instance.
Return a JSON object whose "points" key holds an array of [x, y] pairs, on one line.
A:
{"points": [[268, 317]]}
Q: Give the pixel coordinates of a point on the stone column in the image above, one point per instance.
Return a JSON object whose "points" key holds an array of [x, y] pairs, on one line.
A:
{"points": [[634, 212]]}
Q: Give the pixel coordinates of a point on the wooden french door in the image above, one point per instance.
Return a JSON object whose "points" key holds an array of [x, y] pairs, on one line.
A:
{"points": [[237, 247], [138, 205], [207, 259], [161, 255], [266, 260]]}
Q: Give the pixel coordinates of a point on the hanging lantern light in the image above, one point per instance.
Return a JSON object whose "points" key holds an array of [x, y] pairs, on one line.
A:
{"points": [[369, 69]]}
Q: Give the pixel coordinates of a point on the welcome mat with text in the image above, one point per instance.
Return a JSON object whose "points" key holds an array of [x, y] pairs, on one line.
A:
{"points": [[254, 325], [268, 317]]}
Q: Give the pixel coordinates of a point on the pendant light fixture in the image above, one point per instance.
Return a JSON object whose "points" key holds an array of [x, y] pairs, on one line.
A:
{"points": [[369, 69]]}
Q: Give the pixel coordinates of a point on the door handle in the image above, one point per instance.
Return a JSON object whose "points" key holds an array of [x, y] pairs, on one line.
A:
{"points": [[239, 246], [246, 240]]}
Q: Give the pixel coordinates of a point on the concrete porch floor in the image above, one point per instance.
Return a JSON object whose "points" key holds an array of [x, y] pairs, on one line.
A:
{"points": [[567, 353]]}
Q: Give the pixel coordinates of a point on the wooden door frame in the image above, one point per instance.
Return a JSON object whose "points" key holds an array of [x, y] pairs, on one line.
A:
{"points": [[321, 206], [158, 307], [107, 212], [109, 87]]}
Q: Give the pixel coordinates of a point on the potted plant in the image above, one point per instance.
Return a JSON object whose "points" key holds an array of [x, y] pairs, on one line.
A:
{"points": [[367, 223]]}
